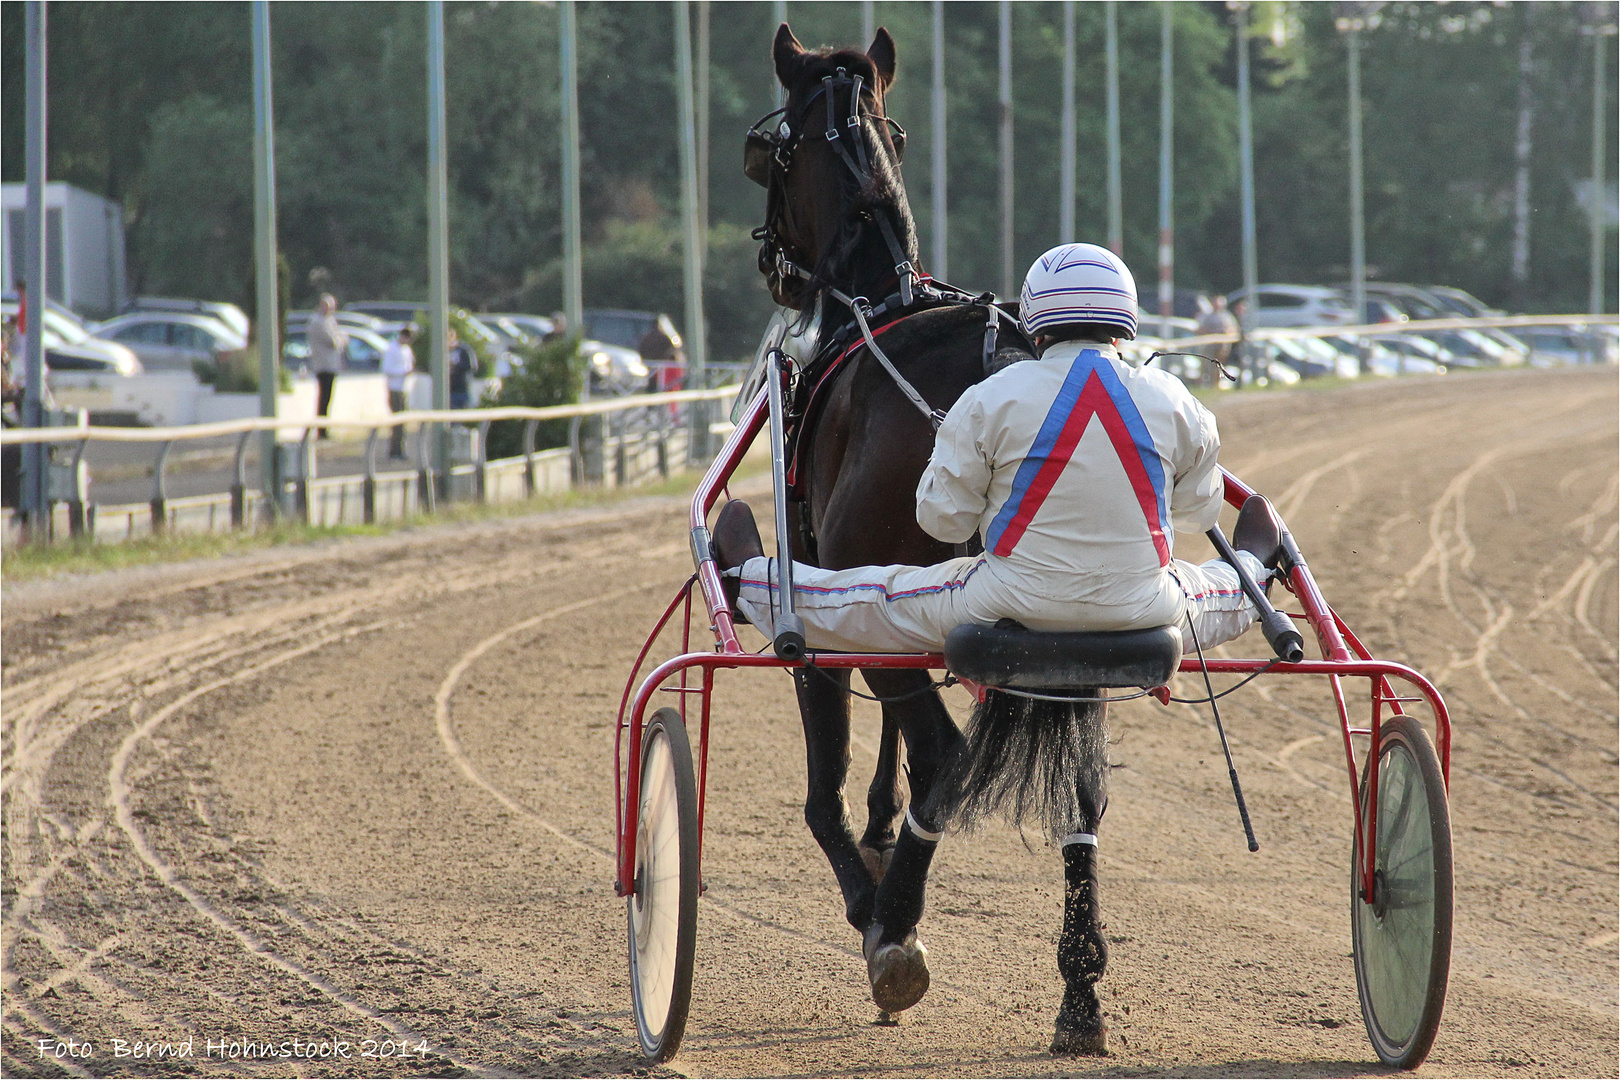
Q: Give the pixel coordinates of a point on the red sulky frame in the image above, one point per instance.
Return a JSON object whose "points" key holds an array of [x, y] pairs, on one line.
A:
{"points": [[1343, 656]]}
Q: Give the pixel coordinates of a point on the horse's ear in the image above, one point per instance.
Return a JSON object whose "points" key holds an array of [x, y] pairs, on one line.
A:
{"points": [[882, 56], [788, 55]]}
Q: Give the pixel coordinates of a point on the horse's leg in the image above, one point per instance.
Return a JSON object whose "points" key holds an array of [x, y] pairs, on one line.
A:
{"points": [[896, 961], [1082, 953], [824, 708], [883, 800]]}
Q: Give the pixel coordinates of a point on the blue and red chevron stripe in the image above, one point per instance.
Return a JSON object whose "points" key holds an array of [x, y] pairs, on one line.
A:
{"points": [[1092, 388]]}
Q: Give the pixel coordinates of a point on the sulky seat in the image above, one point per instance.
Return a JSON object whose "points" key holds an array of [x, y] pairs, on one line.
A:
{"points": [[1010, 655]]}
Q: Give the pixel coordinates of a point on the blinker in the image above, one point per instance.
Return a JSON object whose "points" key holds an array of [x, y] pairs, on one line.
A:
{"points": [[758, 152]]}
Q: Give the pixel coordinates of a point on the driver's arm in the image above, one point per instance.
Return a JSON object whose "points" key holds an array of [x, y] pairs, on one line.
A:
{"points": [[954, 491], [1199, 491]]}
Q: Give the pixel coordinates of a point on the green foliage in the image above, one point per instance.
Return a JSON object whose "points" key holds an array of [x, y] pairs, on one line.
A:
{"points": [[151, 106], [237, 372], [550, 373]]}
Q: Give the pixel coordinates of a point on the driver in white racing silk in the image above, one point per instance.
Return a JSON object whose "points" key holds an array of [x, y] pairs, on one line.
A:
{"points": [[1077, 469]]}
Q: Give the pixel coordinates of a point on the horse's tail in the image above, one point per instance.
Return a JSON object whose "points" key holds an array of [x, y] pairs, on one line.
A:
{"points": [[1030, 760]]}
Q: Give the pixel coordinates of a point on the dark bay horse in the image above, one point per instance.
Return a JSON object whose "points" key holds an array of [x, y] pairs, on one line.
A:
{"points": [[838, 227]]}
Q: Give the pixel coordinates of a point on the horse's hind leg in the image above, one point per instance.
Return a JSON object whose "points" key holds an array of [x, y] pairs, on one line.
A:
{"points": [[824, 709], [883, 801], [1082, 951]]}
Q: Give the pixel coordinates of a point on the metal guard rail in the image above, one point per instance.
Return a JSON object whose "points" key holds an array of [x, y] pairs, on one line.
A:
{"points": [[11, 436], [84, 434], [1417, 326]]}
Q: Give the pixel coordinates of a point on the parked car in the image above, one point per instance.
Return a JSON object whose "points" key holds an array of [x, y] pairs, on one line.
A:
{"points": [[1313, 358], [1478, 348], [534, 327], [171, 341], [613, 369], [346, 319], [395, 314], [79, 350], [1297, 305], [1414, 347], [229, 314], [1551, 346], [64, 357], [362, 353], [651, 334], [1462, 302], [1381, 360]]}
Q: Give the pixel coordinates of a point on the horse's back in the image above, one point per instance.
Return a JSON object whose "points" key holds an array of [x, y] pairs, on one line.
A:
{"points": [[873, 443]]}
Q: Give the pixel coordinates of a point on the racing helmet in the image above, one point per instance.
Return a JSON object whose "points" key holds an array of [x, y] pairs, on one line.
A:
{"points": [[1079, 283]]}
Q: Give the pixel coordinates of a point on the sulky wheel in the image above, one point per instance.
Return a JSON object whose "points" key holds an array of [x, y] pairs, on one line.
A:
{"points": [[1402, 934], [663, 908]]}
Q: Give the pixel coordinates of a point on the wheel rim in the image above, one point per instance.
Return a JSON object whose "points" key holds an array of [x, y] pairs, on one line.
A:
{"points": [[1396, 931], [655, 907]]}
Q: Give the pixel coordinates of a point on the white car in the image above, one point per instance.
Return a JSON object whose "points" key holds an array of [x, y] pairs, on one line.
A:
{"points": [[69, 347], [613, 369], [1297, 305], [170, 340]]}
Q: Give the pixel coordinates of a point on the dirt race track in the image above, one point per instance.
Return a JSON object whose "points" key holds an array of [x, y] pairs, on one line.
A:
{"points": [[364, 792]]}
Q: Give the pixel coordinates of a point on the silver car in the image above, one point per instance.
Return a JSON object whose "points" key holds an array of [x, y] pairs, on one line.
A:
{"points": [[171, 341]]}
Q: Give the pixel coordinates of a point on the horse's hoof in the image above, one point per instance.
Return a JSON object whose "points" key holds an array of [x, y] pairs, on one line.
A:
{"points": [[898, 971], [1081, 1040], [877, 861]]}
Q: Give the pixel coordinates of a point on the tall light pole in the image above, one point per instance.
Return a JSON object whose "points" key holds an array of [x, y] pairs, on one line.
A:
{"points": [[573, 288], [1520, 266], [868, 23], [438, 219], [268, 319], [1116, 212], [938, 177], [1352, 19], [692, 245], [34, 268], [1067, 141], [1005, 55], [1167, 232], [1600, 30], [701, 76], [1251, 272]]}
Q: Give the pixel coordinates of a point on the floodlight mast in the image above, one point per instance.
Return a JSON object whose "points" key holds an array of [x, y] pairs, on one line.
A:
{"points": [[35, 524], [264, 251]]}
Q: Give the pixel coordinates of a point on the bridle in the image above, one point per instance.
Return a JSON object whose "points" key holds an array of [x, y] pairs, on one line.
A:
{"points": [[768, 154]]}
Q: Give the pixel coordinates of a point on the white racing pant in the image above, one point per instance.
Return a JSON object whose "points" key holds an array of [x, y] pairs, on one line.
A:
{"points": [[912, 608]]}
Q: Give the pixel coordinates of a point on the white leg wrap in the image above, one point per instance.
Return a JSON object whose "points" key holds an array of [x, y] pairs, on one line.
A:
{"points": [[923, 834], [1080, 838]]}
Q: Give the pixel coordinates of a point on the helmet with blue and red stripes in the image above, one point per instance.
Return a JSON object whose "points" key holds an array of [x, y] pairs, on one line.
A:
{"points": [[1079, 283]]}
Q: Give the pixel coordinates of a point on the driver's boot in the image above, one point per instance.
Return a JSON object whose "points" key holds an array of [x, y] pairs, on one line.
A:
{"points": [[736, 540]]}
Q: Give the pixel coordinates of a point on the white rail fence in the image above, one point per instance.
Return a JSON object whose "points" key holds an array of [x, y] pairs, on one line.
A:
{"points": [[641, 437]]}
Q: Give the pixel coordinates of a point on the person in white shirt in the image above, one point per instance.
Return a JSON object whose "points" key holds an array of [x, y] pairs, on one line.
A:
{"points": [[397, 364], [1076, 469]]}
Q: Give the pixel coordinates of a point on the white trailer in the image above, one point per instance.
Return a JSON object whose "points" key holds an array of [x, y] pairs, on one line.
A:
{"points": [[84, 247]]}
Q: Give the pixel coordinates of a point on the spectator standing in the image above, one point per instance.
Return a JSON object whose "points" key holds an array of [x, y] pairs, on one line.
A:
{"points": [[463, 366], [1217, 320], [398, 361], [327, 342]]}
